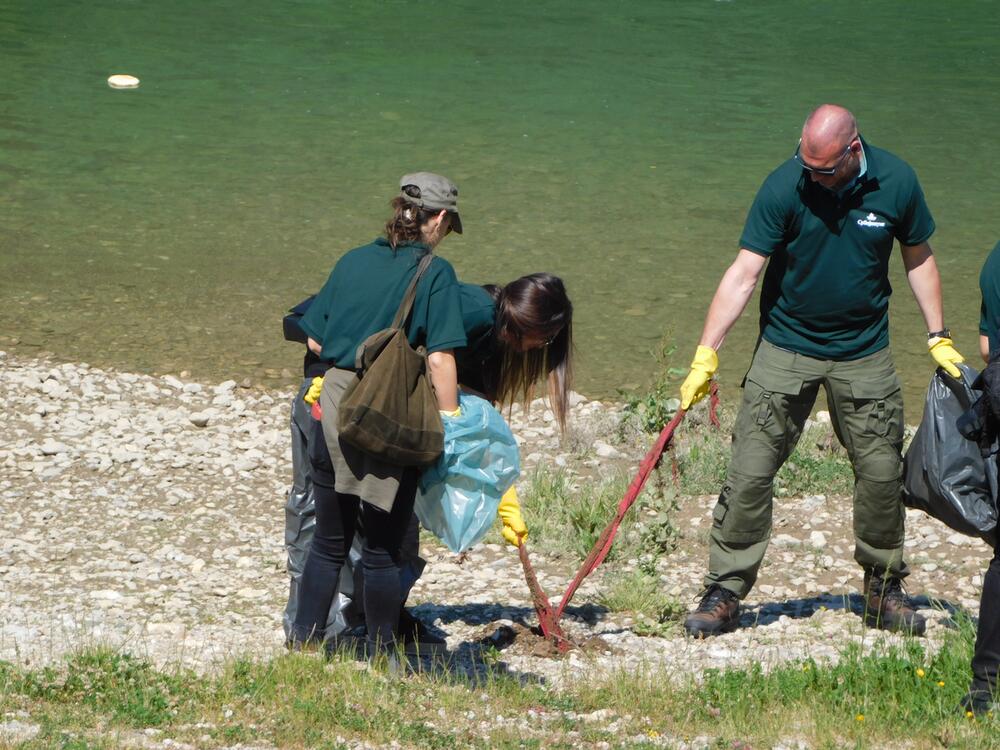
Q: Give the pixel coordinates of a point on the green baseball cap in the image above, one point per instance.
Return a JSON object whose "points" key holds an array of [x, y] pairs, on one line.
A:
{"points": [[429, 190]]}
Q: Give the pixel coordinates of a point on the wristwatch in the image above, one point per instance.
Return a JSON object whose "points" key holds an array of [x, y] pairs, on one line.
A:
{"points": [[944, 333]]}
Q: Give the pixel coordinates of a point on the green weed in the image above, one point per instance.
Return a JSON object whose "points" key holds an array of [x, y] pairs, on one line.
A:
{"points": [[658, 535], [649, 410]]}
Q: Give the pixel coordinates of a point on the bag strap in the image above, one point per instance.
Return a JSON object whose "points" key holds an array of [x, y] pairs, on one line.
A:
{"points": [[411, 292]]}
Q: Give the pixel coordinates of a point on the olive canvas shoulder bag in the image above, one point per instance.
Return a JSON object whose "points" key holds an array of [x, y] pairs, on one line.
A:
{"points": [[390, 410]]}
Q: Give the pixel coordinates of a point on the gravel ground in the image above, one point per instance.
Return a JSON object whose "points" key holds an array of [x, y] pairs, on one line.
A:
{"points": [[147, 512]]}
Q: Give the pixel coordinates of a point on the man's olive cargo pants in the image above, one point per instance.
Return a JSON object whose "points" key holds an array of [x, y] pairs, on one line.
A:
{"points": [[866, 407]]}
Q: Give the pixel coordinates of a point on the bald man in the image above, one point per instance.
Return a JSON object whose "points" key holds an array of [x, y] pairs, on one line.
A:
{"points": [[823, 225]]}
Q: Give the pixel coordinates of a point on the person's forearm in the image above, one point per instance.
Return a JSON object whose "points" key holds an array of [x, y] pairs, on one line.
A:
{"points": [[730, 300], [444, 377], [925, 282], [984, 347], [314, 346]]}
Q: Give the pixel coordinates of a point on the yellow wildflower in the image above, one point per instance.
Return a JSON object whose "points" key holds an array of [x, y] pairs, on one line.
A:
{"points": [[920, 672], [859, 717], [940, 683]]}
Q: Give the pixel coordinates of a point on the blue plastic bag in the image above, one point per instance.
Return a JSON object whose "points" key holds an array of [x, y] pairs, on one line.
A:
{"points": [[459, 495]]}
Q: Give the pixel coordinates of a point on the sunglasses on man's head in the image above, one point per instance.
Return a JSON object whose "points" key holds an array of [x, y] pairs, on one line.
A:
{"points": [[828, 171]]}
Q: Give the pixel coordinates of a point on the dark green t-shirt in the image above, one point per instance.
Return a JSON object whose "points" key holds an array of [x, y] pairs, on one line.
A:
{"points": [[826, 288], [989, 311], [478, 360], [363, 293]]}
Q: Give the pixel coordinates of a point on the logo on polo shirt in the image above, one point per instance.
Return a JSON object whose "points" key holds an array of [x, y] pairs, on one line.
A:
{"points": [[871, 220]]}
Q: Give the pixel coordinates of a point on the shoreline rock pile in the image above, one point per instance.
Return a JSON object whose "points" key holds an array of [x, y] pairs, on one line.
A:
{"points": [[147, 513]]}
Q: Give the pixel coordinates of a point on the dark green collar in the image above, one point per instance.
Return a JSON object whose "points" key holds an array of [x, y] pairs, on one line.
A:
{"points": [[422, 247]]}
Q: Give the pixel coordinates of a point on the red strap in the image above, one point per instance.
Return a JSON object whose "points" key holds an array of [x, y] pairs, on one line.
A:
{"points": [[548, 618], [603, 545]]}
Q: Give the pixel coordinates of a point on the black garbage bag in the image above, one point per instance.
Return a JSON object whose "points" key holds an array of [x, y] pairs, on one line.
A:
{"points": [[944, 474], [290, 323]]}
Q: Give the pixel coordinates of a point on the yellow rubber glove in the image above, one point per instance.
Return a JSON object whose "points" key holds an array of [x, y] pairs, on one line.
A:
{"points": [[944, 353], [312, 395], [696, 384], [514, 528], [456, 413]]}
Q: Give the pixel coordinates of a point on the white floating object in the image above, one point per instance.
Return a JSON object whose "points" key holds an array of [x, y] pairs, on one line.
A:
{"points": [[122, 81]]}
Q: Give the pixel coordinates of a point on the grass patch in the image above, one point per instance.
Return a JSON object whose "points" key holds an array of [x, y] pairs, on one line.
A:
{"points": [[862, 695], [818, 465], [568, 515], [641, 594], [899, 694], [114, 684]]}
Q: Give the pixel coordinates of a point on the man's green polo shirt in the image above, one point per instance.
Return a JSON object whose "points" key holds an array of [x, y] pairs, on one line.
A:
{"points": [[826, 288], [989, 312], [363, 293]]}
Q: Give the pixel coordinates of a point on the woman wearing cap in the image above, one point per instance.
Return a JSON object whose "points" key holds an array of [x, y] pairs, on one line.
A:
{"points": [[361, 297], [511, 337]]}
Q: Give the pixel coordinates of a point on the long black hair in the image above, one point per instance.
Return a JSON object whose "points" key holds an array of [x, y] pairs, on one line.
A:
{"points": [[533, 336]]}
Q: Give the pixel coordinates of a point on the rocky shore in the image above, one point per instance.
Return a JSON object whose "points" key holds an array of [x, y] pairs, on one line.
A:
{"points": [[147, 513]]}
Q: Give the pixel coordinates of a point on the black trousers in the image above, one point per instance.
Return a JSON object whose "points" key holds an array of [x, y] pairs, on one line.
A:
{"points": [[385, 548], [986, 659]]}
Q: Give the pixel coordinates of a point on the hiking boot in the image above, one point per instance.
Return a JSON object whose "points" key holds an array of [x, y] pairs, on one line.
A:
{"points": [[417, 639], [887, 606], [718, 612]]}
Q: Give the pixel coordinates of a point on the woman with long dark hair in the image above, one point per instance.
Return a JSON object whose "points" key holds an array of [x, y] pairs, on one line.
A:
{"points": [[518, 334]]}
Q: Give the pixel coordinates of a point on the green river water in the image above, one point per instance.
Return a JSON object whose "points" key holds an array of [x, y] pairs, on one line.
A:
{"points": [[617, 144]]}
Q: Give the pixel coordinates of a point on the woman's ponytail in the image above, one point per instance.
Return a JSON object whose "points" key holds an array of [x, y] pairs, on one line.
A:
{"points": [[404, 226]]}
